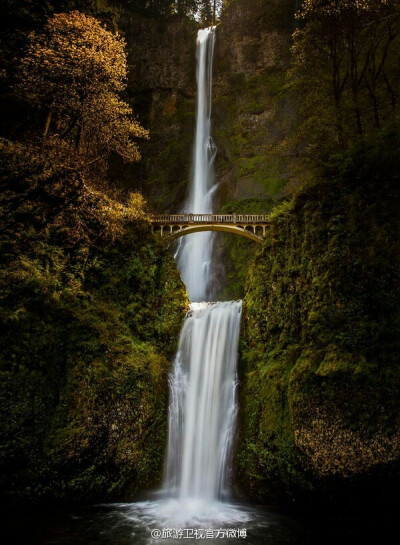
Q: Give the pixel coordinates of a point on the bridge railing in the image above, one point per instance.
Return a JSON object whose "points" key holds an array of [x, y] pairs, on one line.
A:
{"points": [[210, 218]]}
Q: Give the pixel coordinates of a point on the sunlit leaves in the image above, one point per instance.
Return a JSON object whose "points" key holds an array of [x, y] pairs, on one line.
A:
{"points": [[75, 70]]}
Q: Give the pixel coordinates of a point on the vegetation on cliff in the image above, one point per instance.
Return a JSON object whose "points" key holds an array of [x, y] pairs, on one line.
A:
{"points": [[321, 312], [91, 303], [91, 307], [321, 348]]}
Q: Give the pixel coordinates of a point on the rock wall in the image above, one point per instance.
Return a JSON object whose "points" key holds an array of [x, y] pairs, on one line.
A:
{"points": [[320, 379], [252, 116], [251, 112], [162, 91]]}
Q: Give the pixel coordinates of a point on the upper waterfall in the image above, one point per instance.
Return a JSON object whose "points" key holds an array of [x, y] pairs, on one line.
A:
{"points": [[194, 252]]}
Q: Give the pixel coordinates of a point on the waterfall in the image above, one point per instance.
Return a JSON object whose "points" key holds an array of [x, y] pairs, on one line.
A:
{"points": [[194, 252], [202, 409], [203, 381], [203, 406]]}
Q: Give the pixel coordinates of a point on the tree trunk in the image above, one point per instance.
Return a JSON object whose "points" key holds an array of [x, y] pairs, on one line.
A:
{"points": [[357, 112], [355, 80], [337, 93], [47, 124], [374, 100], [78, 138], [339, 122], [392, 94]]}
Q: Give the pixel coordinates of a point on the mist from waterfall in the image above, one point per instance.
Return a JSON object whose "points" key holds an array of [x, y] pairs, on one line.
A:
{"points": [[194, 251]]}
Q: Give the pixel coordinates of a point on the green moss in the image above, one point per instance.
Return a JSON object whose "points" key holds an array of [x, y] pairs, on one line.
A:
{"points": [[255, 108], [265, 83], [263, 170], [89, 323], [238, 253], [320, 348], [245, 126]]}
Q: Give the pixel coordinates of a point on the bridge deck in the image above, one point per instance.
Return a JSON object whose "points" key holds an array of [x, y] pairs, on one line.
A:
{"points": [[172, 226]]}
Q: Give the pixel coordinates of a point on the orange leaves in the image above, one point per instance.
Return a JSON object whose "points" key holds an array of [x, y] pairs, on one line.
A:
{"points": [[76, 69], [71, 58], [109, 125]]}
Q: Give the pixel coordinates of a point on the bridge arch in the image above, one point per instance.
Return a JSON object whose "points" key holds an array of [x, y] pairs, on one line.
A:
{"points": [[241, 231]]}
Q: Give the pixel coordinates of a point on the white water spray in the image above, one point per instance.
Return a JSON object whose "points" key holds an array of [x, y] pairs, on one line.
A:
{"points": [[194, 253]]}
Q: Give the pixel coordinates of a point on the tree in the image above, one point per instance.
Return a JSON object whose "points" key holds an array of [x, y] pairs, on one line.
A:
{"points": [[150, 7], [76, 70], [344, 67], [186, 7], [208, 11]]}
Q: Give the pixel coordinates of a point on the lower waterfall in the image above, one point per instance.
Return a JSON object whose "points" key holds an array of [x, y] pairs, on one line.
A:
{"points": [[202, 418], [202, 402]]}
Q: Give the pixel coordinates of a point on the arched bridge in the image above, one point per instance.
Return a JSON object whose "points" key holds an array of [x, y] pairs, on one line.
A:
{"points": [[250, 226]]}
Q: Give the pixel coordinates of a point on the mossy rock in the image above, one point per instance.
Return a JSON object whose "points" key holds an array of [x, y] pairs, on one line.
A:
{"points": [[320, 376]]}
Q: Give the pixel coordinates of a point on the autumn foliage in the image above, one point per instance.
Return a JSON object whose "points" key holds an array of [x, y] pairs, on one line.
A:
{"points": [[75, 71]]}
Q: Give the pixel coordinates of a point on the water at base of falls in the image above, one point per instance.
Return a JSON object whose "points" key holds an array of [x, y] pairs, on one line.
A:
{"points": [[188, 513], [133, 524]]}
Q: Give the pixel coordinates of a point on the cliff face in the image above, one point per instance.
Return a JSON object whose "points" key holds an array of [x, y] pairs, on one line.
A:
{"points": [[320, 378], [162, 91], [250, 113], [91, 308]]}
